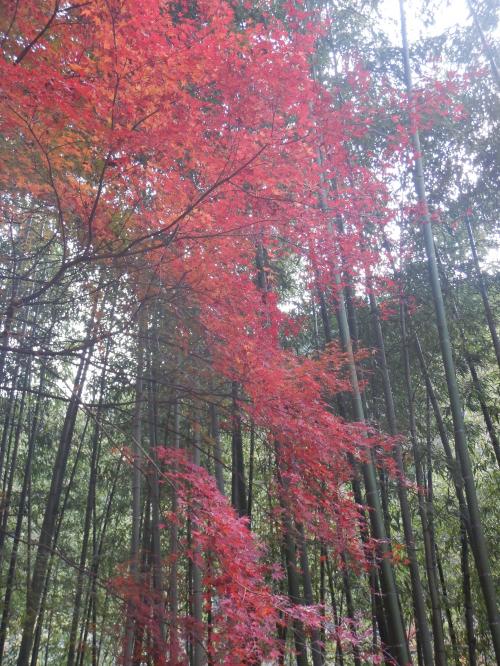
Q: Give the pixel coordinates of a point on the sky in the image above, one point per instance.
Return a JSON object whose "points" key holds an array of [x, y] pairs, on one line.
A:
{"points": [[448, 13]]}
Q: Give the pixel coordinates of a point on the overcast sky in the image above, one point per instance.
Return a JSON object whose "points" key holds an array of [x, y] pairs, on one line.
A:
{"points": [[448, 13]]}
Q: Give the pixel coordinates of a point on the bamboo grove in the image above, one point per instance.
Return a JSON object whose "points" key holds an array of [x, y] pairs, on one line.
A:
{"points": [[249, 357]]}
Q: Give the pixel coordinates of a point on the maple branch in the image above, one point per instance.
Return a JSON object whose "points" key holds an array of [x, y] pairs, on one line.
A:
{"points": [[44, 151], [141, 120], [197, 202], [70, 351], [7, 32], [103, 171], [86, 257], [29, 46], [232, 231], [95, 204], [77, 6]]}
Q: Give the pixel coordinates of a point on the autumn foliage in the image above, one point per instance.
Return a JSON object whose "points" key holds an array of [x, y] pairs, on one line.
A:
{"points": [[182, 139]]}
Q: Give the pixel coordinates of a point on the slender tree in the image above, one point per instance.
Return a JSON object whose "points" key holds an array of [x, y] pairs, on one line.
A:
{"points": [[480, 548]]}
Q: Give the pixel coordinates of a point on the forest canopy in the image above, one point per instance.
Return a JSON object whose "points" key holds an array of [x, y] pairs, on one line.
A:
{"points": [[249, 349]]}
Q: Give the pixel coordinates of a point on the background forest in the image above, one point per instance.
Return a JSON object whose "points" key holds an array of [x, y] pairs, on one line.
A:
{"points": [[249, 357]]}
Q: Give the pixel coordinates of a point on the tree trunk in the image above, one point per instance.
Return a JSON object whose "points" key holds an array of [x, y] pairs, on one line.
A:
{"points": [[52, 556], [487, 50], [339, 655], [477, 537], [437, 621], [51, 510], [88, 513], [251, 463], [484, 293], [136, 483], [198, 647], [446, 604], [173, 596], [215, 431], [21, 508], [423, 633], [316, 651], [466, 587], [398, 649], [154, 484], [238, 489]]}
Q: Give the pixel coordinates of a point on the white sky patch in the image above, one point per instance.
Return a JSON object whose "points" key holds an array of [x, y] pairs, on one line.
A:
{"points": [[447, 15]]}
